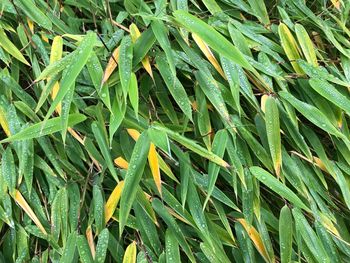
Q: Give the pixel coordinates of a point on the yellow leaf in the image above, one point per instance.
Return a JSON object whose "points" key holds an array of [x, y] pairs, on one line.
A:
{"points": [[44, 38], [121, 163], [174, 214], [161, 163], [4, 123], [263, 102], [90, 240], [54, 92], [207, 52], [30, 25], [111, 66], [328, 224], [154, 165], [255, 237], [133, 133], [24, 205], [56, 49], [152, 159], [135, 34], [336, 4], [147, 66], [113, 200], [290, 47], [56, 54], [148, 197], [130, 253], [75, 135], [320, 164]]}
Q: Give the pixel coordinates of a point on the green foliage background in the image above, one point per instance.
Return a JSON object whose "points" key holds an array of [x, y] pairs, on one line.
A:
{"points": [[174, 131]]}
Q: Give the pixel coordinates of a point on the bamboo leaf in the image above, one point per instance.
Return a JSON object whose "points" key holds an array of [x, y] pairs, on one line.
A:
{"points": [[78, 62], [34, 13], [256, 238], [160, 32], [132, 178], [276, 186], [6, 44], [113, 200], [154, 165], [311, 113], [214, 39], [125, 64], [207, 52], [273, 133], [28, 210], [44, 128], [130, 253], [102, 245], [290, 47], [174, 85], [306, 45], [190, 144], [286, 234], [172, 247], [112, 65], [330, 93], [98, 133], [84, 250]]}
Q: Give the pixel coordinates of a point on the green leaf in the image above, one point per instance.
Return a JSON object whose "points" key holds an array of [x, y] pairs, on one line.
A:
{"points": [[160, 32], [34, 13], [312, 241], [125, 64], [276, 186], [306, 45], [210, 36], [212, 91], [174, 85], [96, 74], [26, 163], [219, 146], [142, 45], [69, 249], [173, 226], [102, 245], [84, 250], [273, 133], [66, 103], [98, 203], [8, 46], [286, 234], [311, 113], [330, 93], [259, 8], [8, 170], [134, 94], [171, 247], [192, 145], [77, 63], [132, 178], [198, 216], [44, 128], [101, 141]]}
